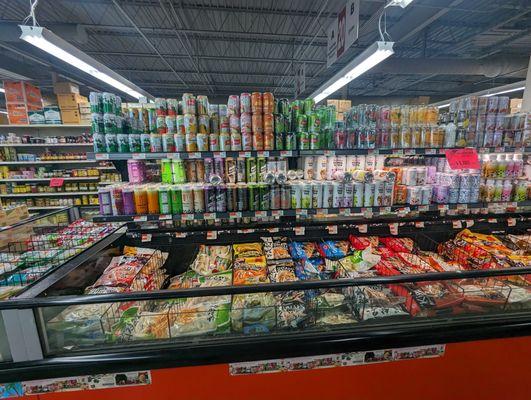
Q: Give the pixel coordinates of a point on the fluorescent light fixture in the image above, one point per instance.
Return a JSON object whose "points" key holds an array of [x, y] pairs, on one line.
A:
{"points": [[373, 55], [2, 90], [3, 112], [505, 91], [399, 3], [444, 105], [57, 47]]}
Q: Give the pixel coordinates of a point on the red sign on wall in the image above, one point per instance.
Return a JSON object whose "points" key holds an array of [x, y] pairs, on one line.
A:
{"points": [[56, 182], [463, 159]]}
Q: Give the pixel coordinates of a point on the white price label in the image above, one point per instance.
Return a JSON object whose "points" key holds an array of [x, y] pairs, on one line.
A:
{"points": [[344, 211], [164, 217], [236, 214], [492, 220], [442, 206], [424, 208], [511, 221], [146, 237], [398, 151], [262, 153], [430, 151], [102, 156], [139, 156], [174, 156], [373, 151], [194, 155], [329, 153], [140, 218], [410, 152], [285, 153], [469, 223], [246, 230], [452, 212], [180, 235], [277, 213], [301, 211], [368, 214], [483, 150], [212, 235], [273, 230], [514, 204], [323, 211], [332, 229], [362, 228], [245, 154], [187, 217], [462, 207], [385, 209], [500, 150], [419, 224], [393, 228], [220, 154], [260, 214], [457, 224], [209, 215], [300, 230]]}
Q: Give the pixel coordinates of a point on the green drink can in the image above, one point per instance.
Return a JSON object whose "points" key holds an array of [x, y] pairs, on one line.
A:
{"points": [[111, 143], [291, 141], [314, 123], [164, 200], [166, 172], [265, 196], [152, 120], [135, 143], [297, 107], [302, 123], [254, 197], [304, 141], [279, 140], [176, 200], [179, 171], [99, 143], [123, 143], [261, 168], [308, 106], [145, 142], [108, 100], [314, 141], [251, 170]]}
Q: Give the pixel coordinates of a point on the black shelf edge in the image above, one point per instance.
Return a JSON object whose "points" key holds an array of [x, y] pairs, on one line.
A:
{"points": [[372, 336]]}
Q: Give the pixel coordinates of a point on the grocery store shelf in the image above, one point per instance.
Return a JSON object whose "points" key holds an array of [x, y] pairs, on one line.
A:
{"points": [[46, 208], [108, 183], [290, 153], [304, 212], [47, 162], [45, 144], [46, 126], [76, 179], [46, 194]]}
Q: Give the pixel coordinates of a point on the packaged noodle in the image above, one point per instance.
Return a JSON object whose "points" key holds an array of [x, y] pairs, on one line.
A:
{"points": [[303, 250], [334, 249], [246, 250], [212, 259], [282, 271], [276, 248], [249, 271], [253, 313]]}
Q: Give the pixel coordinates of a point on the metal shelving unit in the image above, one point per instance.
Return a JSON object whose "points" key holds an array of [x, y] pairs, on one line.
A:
{"points": [[41, 145], [45, 194], [47, 162], [71, 178]]}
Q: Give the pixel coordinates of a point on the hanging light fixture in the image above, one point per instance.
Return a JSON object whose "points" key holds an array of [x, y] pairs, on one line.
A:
{"points": [[373, 55], [49, 42]]}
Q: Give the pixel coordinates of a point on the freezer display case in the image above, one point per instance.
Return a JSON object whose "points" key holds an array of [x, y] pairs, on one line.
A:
{"points": [[191, 302]]}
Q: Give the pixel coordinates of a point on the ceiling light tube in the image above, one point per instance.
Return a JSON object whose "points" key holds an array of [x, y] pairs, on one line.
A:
{"points": [[444, 105], [2, 90], [373, 55], [399, 3], [505, 91], [57, 47]]}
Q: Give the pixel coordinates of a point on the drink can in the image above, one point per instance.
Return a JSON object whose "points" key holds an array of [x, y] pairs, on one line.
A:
{"points": [[414, 195], [172, 107], [274, 194], [421, 175], [302, 123], [230, 170], [261, 168], [379, 192], [285, 197], [170, 124], [99, 143], [111, 143], [246, 123], [151, 126], [199, 199], [426, 195], [190, 124], [268, 102], [122, 143], [400, 195], [109, 123], [465, 181], [338, 194], [269, 140], [224, 142], [348, 197], [464, 195], [166, 171], [257, 141], [235, 141], [279, 123], [187, 196], [409, 176], [168, 145], [314, 141], [202, 105], [243, 197], [358, 197], [155, 143], [176, 199], [178, 171], [233, 105], [191, 171], [368, 194], [96, 102], [203, 124], [96, 122], [241, 170], [180, 142], [306, 195], [256, 103], [282, 165], [254, 197], [453, 194], [265, 196], [251, 170], [214, 142], [268, 122], [134, 143], [283, 106], [208, 166], [200, 170], [245, 103], [328, 194], [141, 202], [308, 105], [221, 198], [189, 104], [246, 142], [317, 195], [179, 124], [309, 168], [232, 197], [190, 142], [224, 124], [290, 141], [295, 195], [257, 123], [304, 140], [388, 193], [164, 200], [104, 200], [202, 140]]}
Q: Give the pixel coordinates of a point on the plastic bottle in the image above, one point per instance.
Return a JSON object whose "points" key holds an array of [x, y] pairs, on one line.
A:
{"points": [[498, 189], [520, 191], [490, 169], [510, 166], [507, 190], [518, 166], [501, 166], [489, 192], [449, 137]]}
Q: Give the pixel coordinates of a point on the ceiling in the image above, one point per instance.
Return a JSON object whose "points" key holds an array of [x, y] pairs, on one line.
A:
{"points": [[221, 47]]}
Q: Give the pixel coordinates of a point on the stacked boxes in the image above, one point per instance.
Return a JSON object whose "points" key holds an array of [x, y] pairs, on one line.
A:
{"points": [[341, 106], [68, 98], [23, 103]]}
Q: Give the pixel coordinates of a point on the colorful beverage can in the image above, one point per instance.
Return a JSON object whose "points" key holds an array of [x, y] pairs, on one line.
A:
{"points": [[426, 195], [202, 142], [176, 200], [242, 203], [274, 194], [199, 198], [145, 142], [153, 200], [338, 194], [306, 195], [209, 193], [168, 145], [232, 197], [414, 195], [268, 102], [296, 195], [123, 143], [171, 126], [166, 171], [245, 103], [164, 200], [214, 142], [265, 196], [358, 194], [134, 143], [251, 170], [219, 167], [111, 143], [190, 124], [368, 194], [257, 123], [104, 200], [256, 103], [179, 171], [179, 142], [99, 143], [230, 169], [453, 194], [254, 196], [302, 123], [328, 194], [189, 103], [203, 124], [141, 200], [241, 170], [187, 196], [388, 193], [246, 123], [285, 197], [191, 171], [224, 142], [257, 141], [348, 195], [233, 105], [317, 195], [236, 142], [379, 192], [221, 198]]}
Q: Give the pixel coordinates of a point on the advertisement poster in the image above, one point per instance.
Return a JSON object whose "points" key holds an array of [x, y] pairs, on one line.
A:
{"points": [[336, 360], [8, 390]]}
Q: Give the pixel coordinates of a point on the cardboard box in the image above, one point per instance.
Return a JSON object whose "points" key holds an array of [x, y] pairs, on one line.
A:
{"points": [[516, 106], [17, 92], [12, 215], [344, 105], [36, 117], [69, 101], [334, 103], [18, 114], [340, 116], [70, 116], [52, 115], [65, 88]]}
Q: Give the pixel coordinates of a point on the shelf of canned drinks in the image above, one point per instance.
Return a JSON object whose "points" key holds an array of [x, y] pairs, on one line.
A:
{"points": [[291, 153], [303, 212]]}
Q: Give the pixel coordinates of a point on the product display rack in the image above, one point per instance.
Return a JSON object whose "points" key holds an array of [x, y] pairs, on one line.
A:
{"points": [[73, 178], [41, 145]]}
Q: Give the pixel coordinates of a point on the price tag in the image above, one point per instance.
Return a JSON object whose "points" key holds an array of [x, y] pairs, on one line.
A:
{"points": [[492, 221], [332, 229], [469, 223], [260, 214], [373, 151], [500, 150], [419, 224], [511, 221], [246, 230], [180, 235], [362, 228], [442, 207], [146, 237], [457, 224], [452, 212], [403, 211], [398, 151], [102, 156], [514, 204], [236, 214], [300, 230], [368, 214], [212, 235], [430, 151], [174, 156], [410, 152], [483, 150], [164, 217], [329, 153], [285, 153], [463, 158], [140, 218], [56, 182], [424, 208], [321, 211], [245, 154], [301, 211], [220, 154], [187, 217], [209, 215], [393, 228], [262, 153], [273, 230], [139, 156], [277, 213], [385, 209]]}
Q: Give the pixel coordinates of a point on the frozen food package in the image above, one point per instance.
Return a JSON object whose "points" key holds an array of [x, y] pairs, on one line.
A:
{"points": [[360, 261], [253, 313], [212, 259], [276, 248], [291, 312], [247, 250], [362, 242], [334, 249], [249, 271], [282, 272], [303, 250]]}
